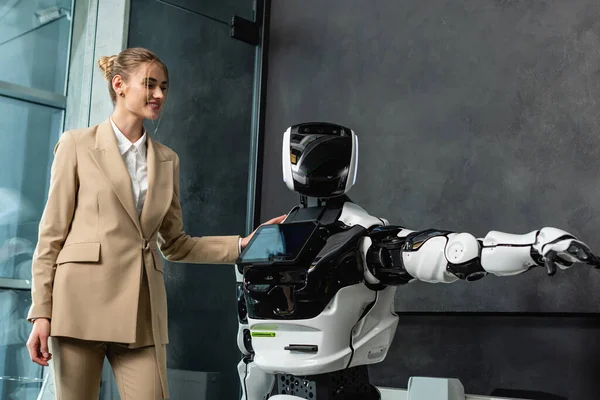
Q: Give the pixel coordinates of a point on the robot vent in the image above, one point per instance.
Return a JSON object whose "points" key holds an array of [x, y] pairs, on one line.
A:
{"points": [[347, 384], [296, 386]]}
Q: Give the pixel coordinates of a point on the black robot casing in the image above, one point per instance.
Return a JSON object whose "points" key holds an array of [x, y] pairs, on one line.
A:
{"points": [[319, 159], [292, 270]]}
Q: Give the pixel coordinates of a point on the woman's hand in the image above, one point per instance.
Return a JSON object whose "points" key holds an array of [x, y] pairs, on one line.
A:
{"points": [[37, 344], [276, 220]]}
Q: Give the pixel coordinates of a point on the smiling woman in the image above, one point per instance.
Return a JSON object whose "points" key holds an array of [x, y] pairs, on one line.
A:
{"points": [[138, 76], [98, 287]]}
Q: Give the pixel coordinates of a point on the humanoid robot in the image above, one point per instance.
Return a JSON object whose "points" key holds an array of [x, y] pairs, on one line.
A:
{"points": [[316, 293]]}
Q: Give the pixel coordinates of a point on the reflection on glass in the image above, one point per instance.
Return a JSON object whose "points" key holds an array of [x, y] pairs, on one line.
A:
{"points": [[31, 131], [34, 40], [272, 242], [15, 252], [34, 47], [20, 379], [28, 133], [269, 242]]}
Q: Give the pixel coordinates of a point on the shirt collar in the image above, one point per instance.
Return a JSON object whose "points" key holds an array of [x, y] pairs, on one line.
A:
{"points": [[124, 143]]}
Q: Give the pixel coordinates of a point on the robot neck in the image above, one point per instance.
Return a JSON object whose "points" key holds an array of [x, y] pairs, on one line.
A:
{"points": [[324, 210], [306, 201]]}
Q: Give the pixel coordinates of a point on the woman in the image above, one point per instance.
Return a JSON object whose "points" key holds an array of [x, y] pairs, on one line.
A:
{"points": [[98, 285]]}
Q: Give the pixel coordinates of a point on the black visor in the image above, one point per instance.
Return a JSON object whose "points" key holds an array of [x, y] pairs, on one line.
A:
{"points": [[320, 163]]}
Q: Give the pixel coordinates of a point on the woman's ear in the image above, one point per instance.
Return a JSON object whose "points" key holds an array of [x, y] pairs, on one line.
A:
{"points": [[118, 84]]}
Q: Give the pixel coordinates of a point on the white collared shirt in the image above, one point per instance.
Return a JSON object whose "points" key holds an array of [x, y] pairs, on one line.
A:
{"points": [[134, 155]]}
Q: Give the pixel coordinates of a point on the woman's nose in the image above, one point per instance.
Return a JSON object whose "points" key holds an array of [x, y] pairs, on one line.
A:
{"points": [[158, 93]]}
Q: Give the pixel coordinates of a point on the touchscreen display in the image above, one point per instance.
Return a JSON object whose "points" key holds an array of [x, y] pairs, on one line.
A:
{"points": [[278, 242]]}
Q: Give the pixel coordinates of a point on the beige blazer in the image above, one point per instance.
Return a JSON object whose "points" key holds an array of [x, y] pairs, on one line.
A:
{"points": [[92, 245]]}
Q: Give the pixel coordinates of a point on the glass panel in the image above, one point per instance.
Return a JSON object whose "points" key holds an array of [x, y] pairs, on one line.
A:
{"points": [[208, 122], [34, 40], [28, 133], [20, 379]]}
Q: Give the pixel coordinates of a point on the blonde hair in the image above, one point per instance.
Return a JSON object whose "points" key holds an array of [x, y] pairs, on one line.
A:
{"points": [[125, 63]]}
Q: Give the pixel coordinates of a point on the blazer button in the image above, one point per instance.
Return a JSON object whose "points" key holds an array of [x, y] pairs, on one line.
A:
{"points": [[146, 244]]}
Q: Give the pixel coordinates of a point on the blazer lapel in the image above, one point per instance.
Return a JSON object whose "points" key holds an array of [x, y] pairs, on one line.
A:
{"points": [[160, 189], [109, 160]]}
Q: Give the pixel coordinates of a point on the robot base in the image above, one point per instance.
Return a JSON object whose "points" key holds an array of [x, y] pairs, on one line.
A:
{"points": [[419, 388], [347, 384]]}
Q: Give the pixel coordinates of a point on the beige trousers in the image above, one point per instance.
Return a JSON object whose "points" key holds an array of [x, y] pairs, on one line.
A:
{"points": [[78, 368]]}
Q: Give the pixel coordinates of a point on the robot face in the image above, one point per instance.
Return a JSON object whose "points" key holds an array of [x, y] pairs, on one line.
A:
{"points": [[319, 159]]}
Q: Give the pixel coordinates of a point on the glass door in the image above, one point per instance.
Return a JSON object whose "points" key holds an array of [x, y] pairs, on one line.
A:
{"points": [[208, 121], [34, 44]]}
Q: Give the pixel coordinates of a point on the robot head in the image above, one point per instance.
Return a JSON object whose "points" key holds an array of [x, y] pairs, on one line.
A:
{"points": [[319, 159]]}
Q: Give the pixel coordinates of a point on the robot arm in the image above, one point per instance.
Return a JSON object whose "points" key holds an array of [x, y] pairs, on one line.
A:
{"points": [[394, 255]]}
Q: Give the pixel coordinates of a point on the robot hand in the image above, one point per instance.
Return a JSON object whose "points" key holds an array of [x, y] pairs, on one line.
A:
{"points": [[560, 248]]}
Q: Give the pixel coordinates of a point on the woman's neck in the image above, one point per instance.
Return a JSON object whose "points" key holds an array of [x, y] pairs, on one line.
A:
{"points": [[130, 125]]}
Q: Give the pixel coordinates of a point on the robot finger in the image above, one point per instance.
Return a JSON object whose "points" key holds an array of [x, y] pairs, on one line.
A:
{"points": [[549, 262]]}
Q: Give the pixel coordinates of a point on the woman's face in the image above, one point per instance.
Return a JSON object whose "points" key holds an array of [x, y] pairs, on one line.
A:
{"points": [[145, 92]]}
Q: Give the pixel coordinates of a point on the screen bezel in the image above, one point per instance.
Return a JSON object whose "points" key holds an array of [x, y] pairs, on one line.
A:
{"points": [[293, 261]]}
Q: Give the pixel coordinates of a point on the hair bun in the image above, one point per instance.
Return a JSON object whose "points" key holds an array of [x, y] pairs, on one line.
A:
{"points": [[106, 63]]}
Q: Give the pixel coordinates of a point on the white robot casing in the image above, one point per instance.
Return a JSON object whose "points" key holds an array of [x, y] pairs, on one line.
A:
{"points": [[370, 337]]}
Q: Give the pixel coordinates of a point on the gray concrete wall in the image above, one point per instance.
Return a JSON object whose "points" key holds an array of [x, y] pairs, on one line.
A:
{"points": [[472, 115]]}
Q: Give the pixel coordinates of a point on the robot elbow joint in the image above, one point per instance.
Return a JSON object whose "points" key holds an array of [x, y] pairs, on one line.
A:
{"points": [[463, 255]]}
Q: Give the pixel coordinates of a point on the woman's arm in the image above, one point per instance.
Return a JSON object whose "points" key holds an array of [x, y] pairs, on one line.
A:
{"points": [[54, 225], [177, 246]]}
